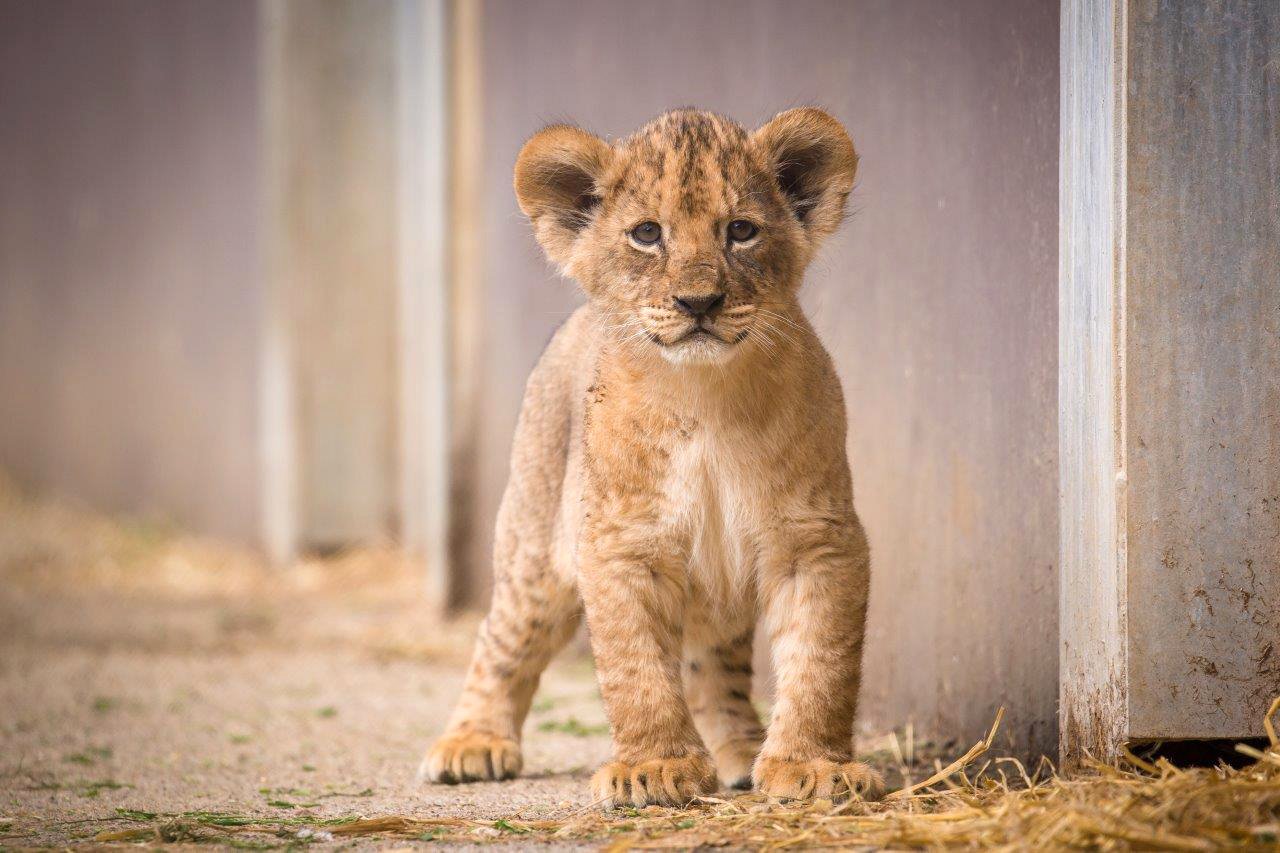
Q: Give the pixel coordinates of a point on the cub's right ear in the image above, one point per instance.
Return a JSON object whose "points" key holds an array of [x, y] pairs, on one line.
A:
{"points": [[557, 185]]}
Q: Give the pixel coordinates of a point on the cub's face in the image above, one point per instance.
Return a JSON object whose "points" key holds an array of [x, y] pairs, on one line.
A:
{"points": [[691, 236]]}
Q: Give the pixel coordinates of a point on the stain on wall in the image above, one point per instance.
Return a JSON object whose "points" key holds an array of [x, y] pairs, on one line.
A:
{"points": [[1203, 367]]}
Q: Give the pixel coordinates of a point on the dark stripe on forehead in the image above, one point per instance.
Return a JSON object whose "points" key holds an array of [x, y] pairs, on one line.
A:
{"points": [[725, 182], [695, 146], [691, 179], [657, 162], [671, 123], [700, 139]]}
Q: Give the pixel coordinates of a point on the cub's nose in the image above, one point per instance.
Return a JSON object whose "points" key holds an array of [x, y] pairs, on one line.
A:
{"points": [[699, 306]]}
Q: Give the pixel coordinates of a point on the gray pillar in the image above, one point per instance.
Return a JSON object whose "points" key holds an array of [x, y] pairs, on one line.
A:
{"points": [[1169, 389], [331, 138], [355, 389], [423, 239]]}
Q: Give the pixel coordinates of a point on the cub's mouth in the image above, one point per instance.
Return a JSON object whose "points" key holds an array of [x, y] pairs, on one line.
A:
{"points": [[702, 332], [698, 333], [699, 344], [707, 337]]}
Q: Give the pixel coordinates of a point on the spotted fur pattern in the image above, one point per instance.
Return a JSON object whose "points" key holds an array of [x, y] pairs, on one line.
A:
{"points": [[678, 476]]}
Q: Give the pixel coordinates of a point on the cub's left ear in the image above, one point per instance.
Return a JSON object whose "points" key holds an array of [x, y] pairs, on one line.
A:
{"points": [[814, 164]]}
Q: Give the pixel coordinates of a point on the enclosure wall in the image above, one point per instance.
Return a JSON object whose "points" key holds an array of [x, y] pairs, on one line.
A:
{"points": [[937, 300]]}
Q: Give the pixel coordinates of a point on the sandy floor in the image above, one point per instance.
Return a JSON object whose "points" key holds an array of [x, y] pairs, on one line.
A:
{"points": [[144, 672], [148, 672], [93, 723], [160, 689]]}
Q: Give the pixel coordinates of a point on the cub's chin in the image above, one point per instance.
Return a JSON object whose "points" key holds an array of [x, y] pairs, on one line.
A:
{"points": [[699, 348]]}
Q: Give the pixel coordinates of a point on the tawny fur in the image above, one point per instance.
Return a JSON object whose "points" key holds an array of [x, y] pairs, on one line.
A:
{"points": [[678, 488]]}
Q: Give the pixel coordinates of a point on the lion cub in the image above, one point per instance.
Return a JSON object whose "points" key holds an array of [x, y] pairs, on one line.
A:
{"points": [[679, 469]]}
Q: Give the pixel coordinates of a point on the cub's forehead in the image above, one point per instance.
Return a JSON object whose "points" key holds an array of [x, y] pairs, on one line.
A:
{"points": [[687, 162]]}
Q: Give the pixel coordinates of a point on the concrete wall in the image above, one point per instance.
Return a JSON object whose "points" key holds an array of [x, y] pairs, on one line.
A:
{"points": [[1203, 367], [938, 300], [129, 255], [1179, 395]]}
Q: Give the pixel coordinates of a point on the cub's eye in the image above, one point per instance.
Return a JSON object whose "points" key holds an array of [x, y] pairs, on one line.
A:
{"points": [[740, 230], [646, 233]]}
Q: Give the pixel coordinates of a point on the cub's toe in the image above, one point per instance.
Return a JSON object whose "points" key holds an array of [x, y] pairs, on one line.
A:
{"points": [[611, 786], [471, 757]]}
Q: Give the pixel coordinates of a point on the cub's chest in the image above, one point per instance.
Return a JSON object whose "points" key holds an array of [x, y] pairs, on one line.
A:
{"points": [[715, 502]]}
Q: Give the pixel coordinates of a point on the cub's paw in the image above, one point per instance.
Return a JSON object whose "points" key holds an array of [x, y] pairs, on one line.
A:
{"points": [[734, 761], [659, 782], [471, 756], [803, 780]]}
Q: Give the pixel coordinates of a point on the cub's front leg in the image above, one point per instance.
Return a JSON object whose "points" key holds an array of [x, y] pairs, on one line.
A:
{"points": [[815, 596], [633, 590]]}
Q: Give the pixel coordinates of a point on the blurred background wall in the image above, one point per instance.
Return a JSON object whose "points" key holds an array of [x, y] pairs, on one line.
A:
{"points": [[938, 299], [131, 278], [219, 301], [264, 276]]}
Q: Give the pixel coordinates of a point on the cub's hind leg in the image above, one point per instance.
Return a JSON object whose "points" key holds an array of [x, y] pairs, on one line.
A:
{"points": [[535, 606], [717, 679], [529, 621]]}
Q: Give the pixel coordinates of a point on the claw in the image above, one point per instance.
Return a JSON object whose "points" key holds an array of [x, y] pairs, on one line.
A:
{"points": [[471, 757]]}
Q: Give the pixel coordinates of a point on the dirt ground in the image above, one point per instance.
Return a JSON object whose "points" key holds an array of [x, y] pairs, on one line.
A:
{"points": [[143, 673], [157, 689], [117, 703]]}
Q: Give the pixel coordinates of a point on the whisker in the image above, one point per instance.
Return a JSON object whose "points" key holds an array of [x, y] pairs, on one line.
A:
{"points": [[774, 332], [764, 338], [784, 319]]}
